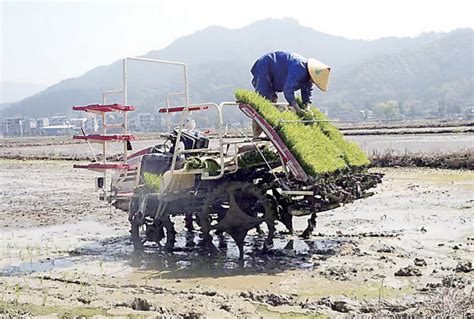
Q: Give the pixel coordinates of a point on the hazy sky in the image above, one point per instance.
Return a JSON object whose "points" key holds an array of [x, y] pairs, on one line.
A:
{"points": [[45, 42]]}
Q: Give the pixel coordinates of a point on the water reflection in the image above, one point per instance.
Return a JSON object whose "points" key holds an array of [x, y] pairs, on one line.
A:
{"points": [[190, 258]]}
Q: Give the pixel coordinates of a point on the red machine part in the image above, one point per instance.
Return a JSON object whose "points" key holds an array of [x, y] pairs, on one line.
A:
{"points": [[139, 153], [181, 109], [105, 138], [100, 108], [105, 166]]}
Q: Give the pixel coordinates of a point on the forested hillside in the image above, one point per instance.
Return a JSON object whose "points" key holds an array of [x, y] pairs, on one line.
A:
{"points": [[425, 76]]}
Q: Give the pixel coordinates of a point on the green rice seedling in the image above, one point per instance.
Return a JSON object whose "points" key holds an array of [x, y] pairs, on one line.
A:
{"points": [[45, 297], [153, 181], [261, 105], [17, 292], [253, 157], [353, 155], [209, 165], [64, 276], [81, 278], [26, 284], [193, 162], [29, 250], [314, 150]]}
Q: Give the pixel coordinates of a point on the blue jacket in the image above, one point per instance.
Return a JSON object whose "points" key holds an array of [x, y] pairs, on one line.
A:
{"points": [[282, 72]]}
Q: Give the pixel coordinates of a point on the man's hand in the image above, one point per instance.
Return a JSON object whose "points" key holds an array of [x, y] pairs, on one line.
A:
{"points": [[296, 108]]}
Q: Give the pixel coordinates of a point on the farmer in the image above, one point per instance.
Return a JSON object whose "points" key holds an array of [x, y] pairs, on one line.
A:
{"points": [[288, 72]]}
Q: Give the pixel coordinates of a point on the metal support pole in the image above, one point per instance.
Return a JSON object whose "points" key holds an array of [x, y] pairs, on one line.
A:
{"points": [[125, 75], [106, 93], [125, 115], [177, 151], [104, 151], [186, 84], [169, 114], [186, 88]]}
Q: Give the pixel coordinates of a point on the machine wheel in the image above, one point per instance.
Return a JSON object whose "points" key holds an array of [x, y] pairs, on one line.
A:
{"points": [[310, 228], [154, 232], [236, 208], [134, 217], [154, 229], [135, 234]]}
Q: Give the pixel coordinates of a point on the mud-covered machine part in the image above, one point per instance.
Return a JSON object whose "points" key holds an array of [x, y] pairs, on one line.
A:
{"points": [[224, 197], [240, 200], [233, 204]]}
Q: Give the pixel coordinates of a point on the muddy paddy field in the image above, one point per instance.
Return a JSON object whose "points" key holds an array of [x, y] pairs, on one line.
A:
{"points": [[406, 250]]}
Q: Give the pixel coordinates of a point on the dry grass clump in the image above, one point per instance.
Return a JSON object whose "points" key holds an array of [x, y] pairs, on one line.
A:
{"points": [[448, 303]]}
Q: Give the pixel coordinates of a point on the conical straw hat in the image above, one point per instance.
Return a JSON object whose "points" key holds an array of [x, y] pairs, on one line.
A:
{"points": [[319, 73]]}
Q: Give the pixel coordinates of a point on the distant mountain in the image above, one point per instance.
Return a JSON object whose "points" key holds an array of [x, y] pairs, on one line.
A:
{"points": [[437, 75], [16, 91], [364, 73]]}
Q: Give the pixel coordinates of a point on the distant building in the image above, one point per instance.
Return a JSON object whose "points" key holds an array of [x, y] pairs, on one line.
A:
{"points": [[18, 127], [99, 121], [91, 125], [58, 120], [165, 121], [366, 114], [42, 122], [132, 125], [144, 122], [56, 130], [78, 123]]}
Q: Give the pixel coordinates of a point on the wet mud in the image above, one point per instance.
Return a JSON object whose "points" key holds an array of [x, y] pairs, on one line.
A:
{"points": [[65, 253]]}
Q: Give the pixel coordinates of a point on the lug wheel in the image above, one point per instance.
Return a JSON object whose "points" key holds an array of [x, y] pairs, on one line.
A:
{"points": [[236, 208]]}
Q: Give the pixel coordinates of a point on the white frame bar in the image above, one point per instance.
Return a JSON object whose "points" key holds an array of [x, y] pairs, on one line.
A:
{"points": [[186, 84], [178, 151]]}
